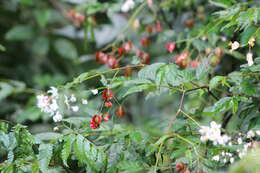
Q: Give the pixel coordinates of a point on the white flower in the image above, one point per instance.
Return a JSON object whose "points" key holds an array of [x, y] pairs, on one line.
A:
{"points": [[84, 101], [56, 128], [225, 160], [75, 108], [213, 133], [95, 91], [216, 158], [251, 42], [230, 144], [235, 45], [257, 132], [54, 92], [249, 58], [128, 5], [73, 98], [232, 160], [223, 38], [250, 134], [47, 104], [57, 117], [239, 141]]}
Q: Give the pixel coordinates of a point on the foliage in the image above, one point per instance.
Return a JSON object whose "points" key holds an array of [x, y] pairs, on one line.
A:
{"points": [[137, 86]]}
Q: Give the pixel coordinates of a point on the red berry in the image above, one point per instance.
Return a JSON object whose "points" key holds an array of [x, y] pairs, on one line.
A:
{"points": [[98, 56], [199, 171], [145, 58], [127, 46], [194, 64], [112, 62], [128, 71], [179, 166], [170, 46], [104, 58], [158, 26], [95, 122], [139, 53], [107, 94], [185, 171], [108, 104], [120, 112], [182, 60], [121, 51], [145, 42], [149, 29], [106, 116]]}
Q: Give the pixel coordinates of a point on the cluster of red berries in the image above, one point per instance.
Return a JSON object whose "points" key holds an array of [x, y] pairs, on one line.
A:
{"points": [[182, 168], [76, 17], [107, 96]]}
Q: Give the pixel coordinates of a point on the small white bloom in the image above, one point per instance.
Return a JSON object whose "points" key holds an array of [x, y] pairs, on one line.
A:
{"points": [[95, 91], [251, 42], [225, 160], [249, 58], [204, 38], [257, 132], [223, 38], [250, 134], [128, 5], [84, 101], [230, 144], [57, 117], [56, 128], [54, 92], [232, 160], [73, 98], [239, 141], [235, 45], [216, 158], [75, 108]]}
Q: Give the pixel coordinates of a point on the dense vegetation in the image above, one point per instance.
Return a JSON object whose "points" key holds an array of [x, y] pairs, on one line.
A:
{"points": [[130, 86]]}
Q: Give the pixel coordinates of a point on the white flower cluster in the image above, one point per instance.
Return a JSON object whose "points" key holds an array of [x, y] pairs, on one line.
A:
{"points": [[213, 133], [225, 157], [128, 5], [49, 104]]}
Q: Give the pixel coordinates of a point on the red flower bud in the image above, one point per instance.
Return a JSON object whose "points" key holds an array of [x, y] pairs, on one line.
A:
{"points": [[170, 46], [127, 46], [108, 104], [120, 112], [106, 116], [107, 94], [145, 58], [145, 42]]}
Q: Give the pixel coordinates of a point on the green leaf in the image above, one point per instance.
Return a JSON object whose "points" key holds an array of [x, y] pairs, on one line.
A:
{"points": [[214, 82], [5, 90], [46, 136], [149, 72], [247, 34], [67, 148], [66, 49], [42, 16], [44, 157], [41, 46], [136, 88], [2, 48], [20, 32], [202, 70]]}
